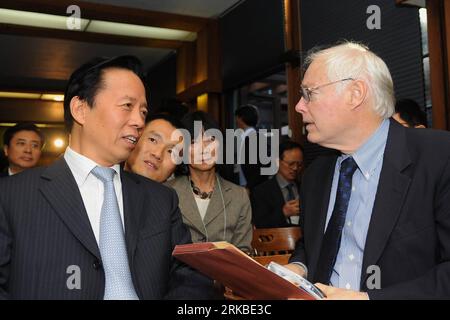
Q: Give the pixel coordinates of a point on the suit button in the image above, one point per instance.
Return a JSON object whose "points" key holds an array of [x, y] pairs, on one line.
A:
{"points": [[97, 265]]}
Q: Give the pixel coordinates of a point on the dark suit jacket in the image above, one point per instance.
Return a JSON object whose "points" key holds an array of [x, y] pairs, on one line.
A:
{"points": [[252, 171], [4, 174], [409, 232], [267, 205], [44, 229]]}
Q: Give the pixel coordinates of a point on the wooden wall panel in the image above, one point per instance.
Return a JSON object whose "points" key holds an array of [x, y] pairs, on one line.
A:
{"points": [[438, 73], [293, 71]]}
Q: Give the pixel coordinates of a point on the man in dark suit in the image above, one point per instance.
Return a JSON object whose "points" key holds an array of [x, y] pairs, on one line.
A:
{"points": [[249, 164], [376, 219], [275, 202], [83, 228], [22, 145]]}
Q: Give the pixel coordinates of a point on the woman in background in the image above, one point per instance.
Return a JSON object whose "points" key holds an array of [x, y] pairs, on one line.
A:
{"points": [[213, 208]]}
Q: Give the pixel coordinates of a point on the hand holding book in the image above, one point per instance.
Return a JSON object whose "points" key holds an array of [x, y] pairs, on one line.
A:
{"points": [[247, 278]]}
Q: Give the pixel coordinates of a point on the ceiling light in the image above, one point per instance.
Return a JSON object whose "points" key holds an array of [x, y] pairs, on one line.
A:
{"points": [[32, 95], [51, 96], [39, 125], [19, 95], [133, 30], [40, 20], [43, 20], [58, 142]]}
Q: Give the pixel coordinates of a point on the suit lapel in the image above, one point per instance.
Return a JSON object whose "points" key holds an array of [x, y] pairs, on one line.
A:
{"points": [[278, 198], [215, 207], [392, 189], [319, 198], [60, 189], [191, 213], [133, 208]]}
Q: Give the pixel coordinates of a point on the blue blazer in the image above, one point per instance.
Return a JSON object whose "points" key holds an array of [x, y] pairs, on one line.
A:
{"points": [[409, 231]]}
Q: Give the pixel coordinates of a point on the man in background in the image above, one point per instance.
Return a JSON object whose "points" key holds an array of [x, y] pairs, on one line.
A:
{"points": [[156, 151], [22, 145], [409, 114], [275, 202], [247, 118]]}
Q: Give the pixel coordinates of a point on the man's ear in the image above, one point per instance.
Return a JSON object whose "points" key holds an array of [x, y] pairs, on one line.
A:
{"points": [[78, 109], [5, 150], [358, 92]]}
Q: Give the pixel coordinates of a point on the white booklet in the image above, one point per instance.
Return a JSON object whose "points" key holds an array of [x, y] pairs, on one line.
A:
{"points": [[296, 279]]}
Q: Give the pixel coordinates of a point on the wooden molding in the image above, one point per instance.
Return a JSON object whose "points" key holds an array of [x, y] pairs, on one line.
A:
{"points": [[293, 70], [17, 110], [438, 76], [446, 40], [192, 92]]}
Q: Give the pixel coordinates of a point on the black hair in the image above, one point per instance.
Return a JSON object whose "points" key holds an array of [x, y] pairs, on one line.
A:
{"points": [[410, 111], [188, 123], [166, 117], [175, 108], [248, 113], [88, 79], [206, 120], [288, 145], [22, 126]]}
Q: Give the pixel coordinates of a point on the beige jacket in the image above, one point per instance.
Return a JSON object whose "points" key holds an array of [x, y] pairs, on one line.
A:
{"points": [[234, 222]]}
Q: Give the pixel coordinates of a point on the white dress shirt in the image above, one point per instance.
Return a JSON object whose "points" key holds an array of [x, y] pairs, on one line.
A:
{"points": [[91, 188], [202, 205]]}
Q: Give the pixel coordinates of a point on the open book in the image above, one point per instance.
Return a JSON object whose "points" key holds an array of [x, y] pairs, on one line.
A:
{"points": [[247, 278]]}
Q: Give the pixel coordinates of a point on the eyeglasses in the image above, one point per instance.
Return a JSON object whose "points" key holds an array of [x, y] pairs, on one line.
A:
{"points": [[293, 164], [306, 93]]}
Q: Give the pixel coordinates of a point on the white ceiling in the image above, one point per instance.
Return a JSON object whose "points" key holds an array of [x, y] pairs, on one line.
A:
{"points": [[199, 8]]}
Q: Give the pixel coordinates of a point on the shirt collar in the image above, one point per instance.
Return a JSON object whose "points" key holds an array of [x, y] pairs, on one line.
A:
{"points": [[248, 131], [82, 166], [368, 155], [10, 173], [282, 182]]}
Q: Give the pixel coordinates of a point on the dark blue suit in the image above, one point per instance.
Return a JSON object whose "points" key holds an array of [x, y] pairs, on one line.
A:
{"points": [[44, 229], [409, 231]]}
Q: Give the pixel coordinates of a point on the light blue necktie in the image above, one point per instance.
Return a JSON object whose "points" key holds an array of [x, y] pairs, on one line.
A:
{"points": [[118, 283]]}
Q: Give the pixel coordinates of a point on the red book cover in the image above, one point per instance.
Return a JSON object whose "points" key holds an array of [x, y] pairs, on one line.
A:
{"points": [[228, 265]]}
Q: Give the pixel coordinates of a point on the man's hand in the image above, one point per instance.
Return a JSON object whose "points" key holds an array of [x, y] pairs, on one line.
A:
{"points": [[291, 208], [296, 268], [333, 293]]}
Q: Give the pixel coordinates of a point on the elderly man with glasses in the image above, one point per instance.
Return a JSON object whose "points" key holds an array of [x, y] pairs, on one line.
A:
{"points": [[376, 218]]}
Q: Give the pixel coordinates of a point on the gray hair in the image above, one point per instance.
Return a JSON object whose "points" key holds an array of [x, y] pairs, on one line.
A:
{"points": [[354, 60]]}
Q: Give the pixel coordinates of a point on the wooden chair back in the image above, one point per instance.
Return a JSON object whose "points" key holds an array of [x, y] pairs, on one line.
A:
{"points": [[275, 241]]}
